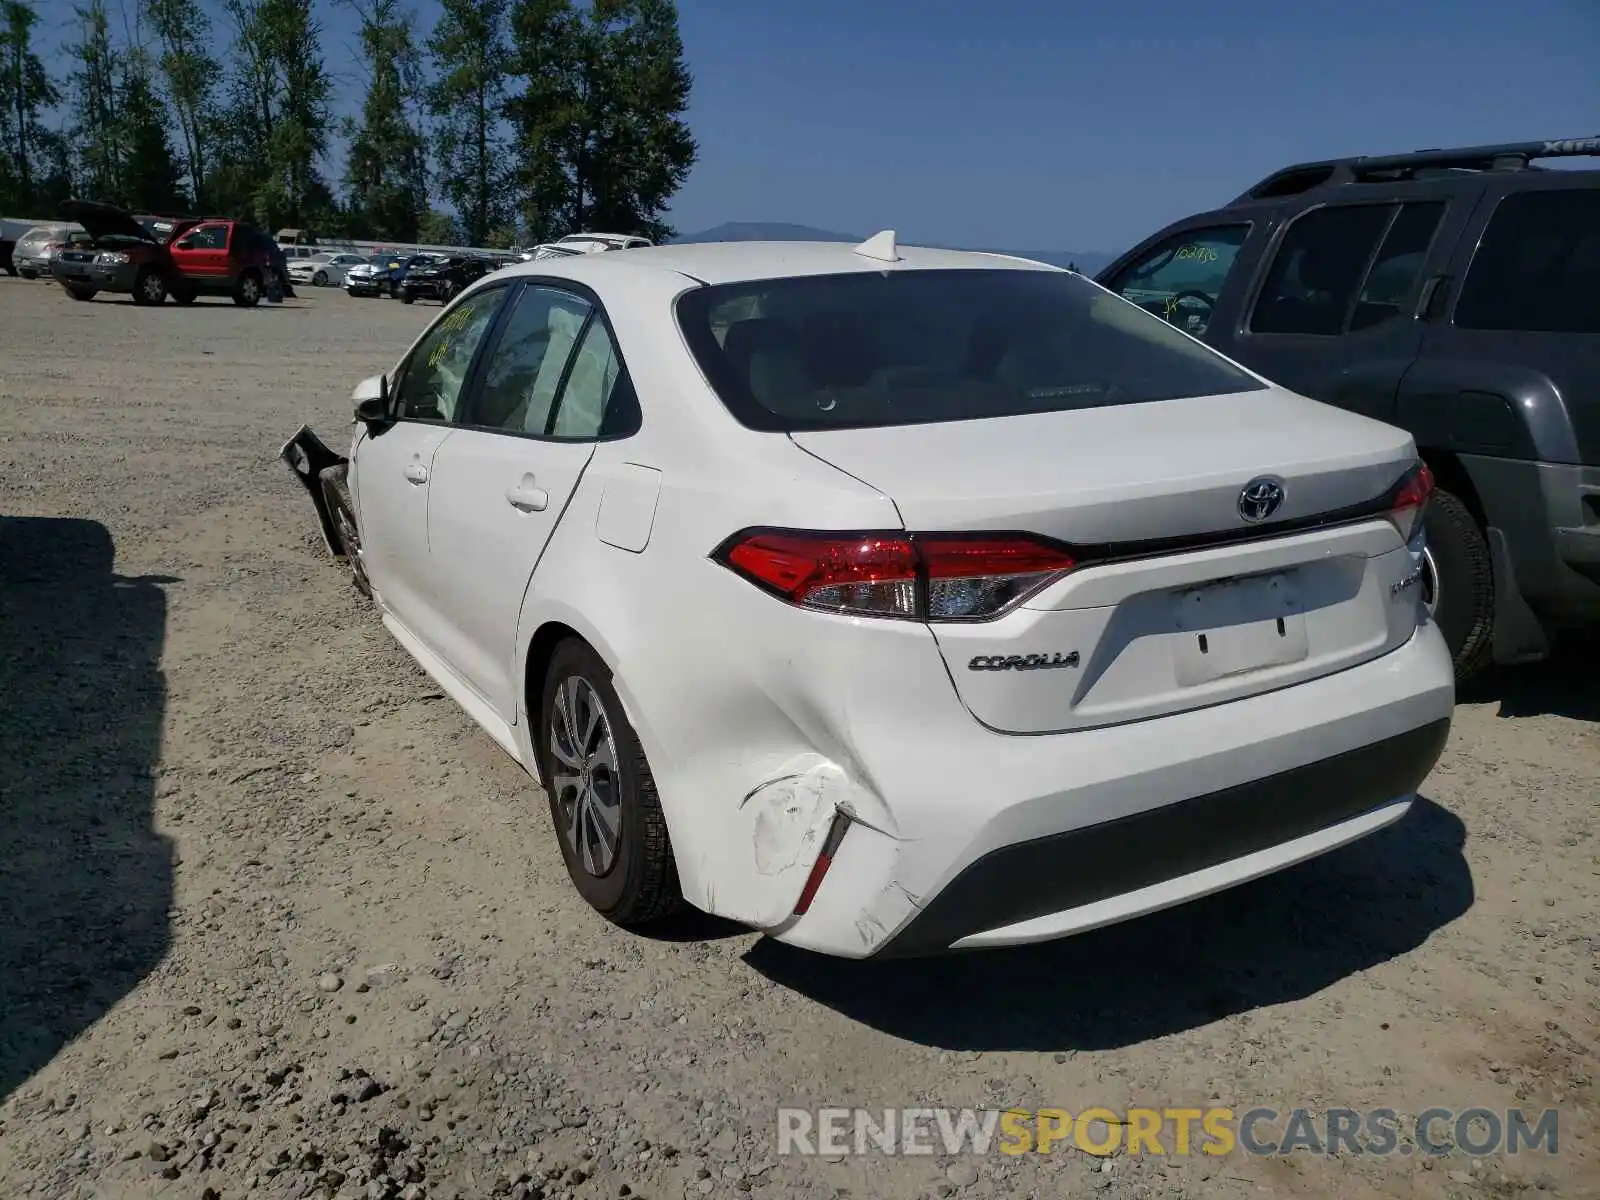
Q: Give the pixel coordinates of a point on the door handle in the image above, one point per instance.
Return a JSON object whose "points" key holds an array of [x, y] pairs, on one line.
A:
{"points": [[528, 499], [416, 473]]}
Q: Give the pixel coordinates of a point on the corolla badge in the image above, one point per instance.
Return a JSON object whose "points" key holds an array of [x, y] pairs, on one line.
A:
{"points": [[1260, 498]]}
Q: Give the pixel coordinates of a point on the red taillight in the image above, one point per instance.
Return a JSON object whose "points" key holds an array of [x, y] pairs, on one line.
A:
{"points": [[1411, 496], [930, 577]]}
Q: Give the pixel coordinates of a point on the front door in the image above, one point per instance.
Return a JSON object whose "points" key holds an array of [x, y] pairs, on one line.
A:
{"points": [[202, 254], [500, 486], [394, 468]]}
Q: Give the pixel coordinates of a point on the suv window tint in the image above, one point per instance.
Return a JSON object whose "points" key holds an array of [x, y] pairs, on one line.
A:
{"points": [[430, 384], [590, 381], [527, 361], [1182, 278], [1538, 265], [206, 237], [1311, 285], [899, 347], [1398, 266]]}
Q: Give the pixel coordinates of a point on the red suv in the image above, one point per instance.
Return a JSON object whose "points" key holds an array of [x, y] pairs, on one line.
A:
{"points": [[153, 258]]}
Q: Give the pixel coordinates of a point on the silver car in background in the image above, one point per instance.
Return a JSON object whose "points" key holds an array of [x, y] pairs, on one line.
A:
{"points": [[38, 246]]}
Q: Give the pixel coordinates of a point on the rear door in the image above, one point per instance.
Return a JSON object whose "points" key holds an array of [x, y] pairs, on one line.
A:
{"points": [[502, 483], [1522, 323], [202, 254], [1334, 314], [394, 468]]}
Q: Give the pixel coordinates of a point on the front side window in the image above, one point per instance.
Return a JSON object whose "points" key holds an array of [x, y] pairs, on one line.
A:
{"points": [[906, 346], [206, 237], [1312, 283], [1182, 278], [528, 360], [1537, 266], [434, 374]]}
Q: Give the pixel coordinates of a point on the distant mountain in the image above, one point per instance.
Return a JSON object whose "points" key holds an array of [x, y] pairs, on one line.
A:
{"points": [[765, 231], [1087, 261]]}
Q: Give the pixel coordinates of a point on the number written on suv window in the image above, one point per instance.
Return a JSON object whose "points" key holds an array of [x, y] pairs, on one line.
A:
{"points": [[1538, 265], [1182, 278]]}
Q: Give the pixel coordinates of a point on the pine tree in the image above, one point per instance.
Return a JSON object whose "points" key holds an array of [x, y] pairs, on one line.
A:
{"points": [[599, 128], [470, 58], [31, 156], [152, 179], [190, 72], [386, 171], [94, 123], [277, 117]]}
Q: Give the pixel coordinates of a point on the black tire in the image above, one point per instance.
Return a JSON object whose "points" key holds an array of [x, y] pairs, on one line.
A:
{"points": [[149, 288], [1459, 583], [81, 293], [247, 290], [320, 279], [336, 491], [406, 297], [640, 886]]}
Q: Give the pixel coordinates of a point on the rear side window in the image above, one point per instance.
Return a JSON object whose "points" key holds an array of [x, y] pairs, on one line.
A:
{"points": [[1394, 274], [908, 346], [1537, 266], [1312, 283]]}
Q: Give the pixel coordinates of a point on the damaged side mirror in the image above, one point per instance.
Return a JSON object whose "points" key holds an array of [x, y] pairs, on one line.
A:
{"points": [[372, 403]]}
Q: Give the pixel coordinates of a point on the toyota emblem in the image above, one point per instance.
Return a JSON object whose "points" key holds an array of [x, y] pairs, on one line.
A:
{"points": [[1260, 498]]}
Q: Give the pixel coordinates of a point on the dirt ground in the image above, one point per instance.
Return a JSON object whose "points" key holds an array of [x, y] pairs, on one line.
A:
{"points": [[277, 920]]}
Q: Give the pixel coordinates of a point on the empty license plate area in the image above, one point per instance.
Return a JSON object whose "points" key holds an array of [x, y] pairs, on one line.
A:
{"points": [[1238, 625]]}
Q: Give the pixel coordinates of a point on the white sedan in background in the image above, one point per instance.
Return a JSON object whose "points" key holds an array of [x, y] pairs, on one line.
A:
{"points": [[323, 270], [893, 600]]}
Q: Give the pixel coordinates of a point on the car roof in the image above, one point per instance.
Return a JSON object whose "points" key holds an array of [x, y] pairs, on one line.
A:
{"points": [[740, 262]]}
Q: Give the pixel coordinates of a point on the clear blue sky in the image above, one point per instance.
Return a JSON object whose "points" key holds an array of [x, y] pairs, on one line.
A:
{"points": [[1045, 125]]}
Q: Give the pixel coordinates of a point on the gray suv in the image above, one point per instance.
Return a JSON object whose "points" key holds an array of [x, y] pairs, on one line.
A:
{"points": [[1455, 293]]}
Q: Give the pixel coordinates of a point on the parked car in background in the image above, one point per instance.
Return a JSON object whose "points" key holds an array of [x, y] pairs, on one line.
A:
{"points": [[124, 256], [325, 269], [222, 258], [369, 278], [1455, 293], [583, 243], [442, 279], [1168, 609], [35, 248]]}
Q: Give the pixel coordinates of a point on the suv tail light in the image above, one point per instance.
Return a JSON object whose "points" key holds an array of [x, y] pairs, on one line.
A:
{"points": [[914, 576], [1410, 500]]}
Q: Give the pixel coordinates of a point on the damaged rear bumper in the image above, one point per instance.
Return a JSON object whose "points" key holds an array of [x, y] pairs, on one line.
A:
{"points": [[307, 458], [1043, 837]]}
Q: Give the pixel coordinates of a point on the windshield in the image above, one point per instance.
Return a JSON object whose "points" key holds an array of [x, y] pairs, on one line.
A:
{"points": [[902, 347]]}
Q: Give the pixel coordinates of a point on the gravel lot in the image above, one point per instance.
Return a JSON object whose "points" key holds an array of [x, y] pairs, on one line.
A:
{"points": [[277, 920]]}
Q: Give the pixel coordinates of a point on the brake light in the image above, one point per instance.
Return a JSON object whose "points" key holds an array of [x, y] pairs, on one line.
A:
{"points": [[926, 577], [1410, 501]]}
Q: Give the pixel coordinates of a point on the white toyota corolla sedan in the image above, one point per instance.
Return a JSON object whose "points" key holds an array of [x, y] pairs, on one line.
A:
{"points": [[893, 600]]}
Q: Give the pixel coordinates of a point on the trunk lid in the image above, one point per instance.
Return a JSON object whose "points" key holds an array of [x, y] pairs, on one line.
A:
{"points": [[1179, 601]]}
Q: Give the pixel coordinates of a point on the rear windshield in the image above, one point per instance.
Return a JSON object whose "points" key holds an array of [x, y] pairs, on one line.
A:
{"points": [[902, 347]]}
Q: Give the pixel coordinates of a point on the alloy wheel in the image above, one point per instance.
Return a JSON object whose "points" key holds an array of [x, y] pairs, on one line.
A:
{"points": [[587, 790], [154, 290]]}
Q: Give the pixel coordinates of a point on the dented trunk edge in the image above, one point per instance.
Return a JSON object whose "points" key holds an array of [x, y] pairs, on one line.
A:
{"points": [[307, 457]]}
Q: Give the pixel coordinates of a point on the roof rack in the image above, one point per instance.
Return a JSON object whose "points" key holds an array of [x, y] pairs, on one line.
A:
{"points": [[1509, 156]]}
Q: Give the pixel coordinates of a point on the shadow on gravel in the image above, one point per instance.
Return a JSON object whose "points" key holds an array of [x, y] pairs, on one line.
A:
{"points": [[85, 881], [1278, 939], [1561, 686]]}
